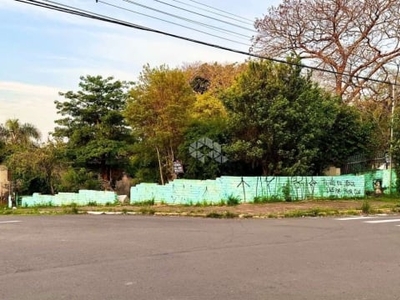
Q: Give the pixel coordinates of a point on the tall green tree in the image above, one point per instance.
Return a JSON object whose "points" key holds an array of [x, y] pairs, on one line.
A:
{"points": [[279, 118], [97, 135], [158, 112]]}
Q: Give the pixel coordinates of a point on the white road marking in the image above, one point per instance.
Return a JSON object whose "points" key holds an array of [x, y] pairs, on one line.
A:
{"points": [[354, 218], [7, 222], [383, 221]]}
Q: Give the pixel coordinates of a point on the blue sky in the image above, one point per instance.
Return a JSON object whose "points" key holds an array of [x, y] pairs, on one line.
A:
{"points": [[43, 52]]}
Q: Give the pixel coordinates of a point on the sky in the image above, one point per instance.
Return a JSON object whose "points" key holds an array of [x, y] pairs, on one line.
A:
{"points": [[44, 52]]}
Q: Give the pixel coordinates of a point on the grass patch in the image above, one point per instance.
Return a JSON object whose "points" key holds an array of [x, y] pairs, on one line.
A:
{"points": [[71, 209], [222, 215], [43, 205], [264, 199], [145, 203], [314, 212], [147, 210], [203, 203]]}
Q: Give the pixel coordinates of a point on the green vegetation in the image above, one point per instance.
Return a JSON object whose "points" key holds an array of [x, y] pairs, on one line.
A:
{"points": [[264, 199], [268, 118], [147, 210], [366, 207], [145, 203], [232, 201]]}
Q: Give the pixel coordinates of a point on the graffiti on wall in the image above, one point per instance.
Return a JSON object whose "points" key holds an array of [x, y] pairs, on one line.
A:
{"points": [[342, 187], [308, 187]]}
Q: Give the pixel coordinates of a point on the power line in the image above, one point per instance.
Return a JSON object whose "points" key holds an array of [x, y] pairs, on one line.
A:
{"points": [[215, 13], [202, 15], [179, 17], [220, 10], [82, 13], [231, 33]]}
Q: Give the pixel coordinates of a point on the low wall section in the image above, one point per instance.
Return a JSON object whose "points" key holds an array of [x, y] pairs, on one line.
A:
{"points": [[84, 197]]}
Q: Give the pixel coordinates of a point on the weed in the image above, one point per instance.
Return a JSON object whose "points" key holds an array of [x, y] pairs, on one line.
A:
{"points": [[203, 203], [232, 200], [92, 203], [286, 192], [366, 207], [71, 209], [221, 203]]}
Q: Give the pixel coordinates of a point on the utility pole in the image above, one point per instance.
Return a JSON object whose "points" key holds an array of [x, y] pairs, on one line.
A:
{"points": [[393, 97]]}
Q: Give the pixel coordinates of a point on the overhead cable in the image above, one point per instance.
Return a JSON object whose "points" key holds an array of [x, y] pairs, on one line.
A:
{"points": [[231, 33], [239, 19], [82, 13], [201, 15]]}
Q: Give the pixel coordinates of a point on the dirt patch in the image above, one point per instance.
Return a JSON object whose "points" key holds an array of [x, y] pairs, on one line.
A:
{"points": [[279, 209]]}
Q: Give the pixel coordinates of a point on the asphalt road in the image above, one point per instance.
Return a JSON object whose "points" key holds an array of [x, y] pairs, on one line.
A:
{"points": [[132, 257]]}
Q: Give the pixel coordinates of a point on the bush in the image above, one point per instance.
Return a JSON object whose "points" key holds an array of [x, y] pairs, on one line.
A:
{"points": [[286, 192], [232, 200], [74, 180]]}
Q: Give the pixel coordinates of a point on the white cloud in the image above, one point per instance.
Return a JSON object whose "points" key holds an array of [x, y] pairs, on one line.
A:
{"points": [[30, 104], [60, 48]]}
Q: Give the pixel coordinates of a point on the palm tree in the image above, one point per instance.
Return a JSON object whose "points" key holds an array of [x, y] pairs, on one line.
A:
{"points": [[16, 134]]}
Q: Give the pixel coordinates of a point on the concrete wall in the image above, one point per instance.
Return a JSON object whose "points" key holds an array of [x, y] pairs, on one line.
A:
{"points": [[181, 191], [84, 197], [385, 179]]}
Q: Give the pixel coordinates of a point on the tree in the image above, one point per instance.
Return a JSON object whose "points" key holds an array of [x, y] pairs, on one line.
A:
{"points": [[212, 78], [279, 119], [208, 107], [158, 111], [16, 134], [350, 134], [37, 169], [352, 37], [98, 137], [16, 137]]}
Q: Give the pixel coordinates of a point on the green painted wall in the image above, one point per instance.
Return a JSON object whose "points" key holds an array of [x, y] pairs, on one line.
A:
{"points": [[82, 198], [384, 177], [183, 191]]}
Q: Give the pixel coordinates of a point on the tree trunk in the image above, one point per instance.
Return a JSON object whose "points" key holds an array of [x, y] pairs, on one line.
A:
{"points": [[160, 166]]}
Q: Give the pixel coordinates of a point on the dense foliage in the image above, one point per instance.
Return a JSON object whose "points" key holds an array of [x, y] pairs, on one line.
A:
{"points": [[96, 133], [265, 118], [283, 123]]}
